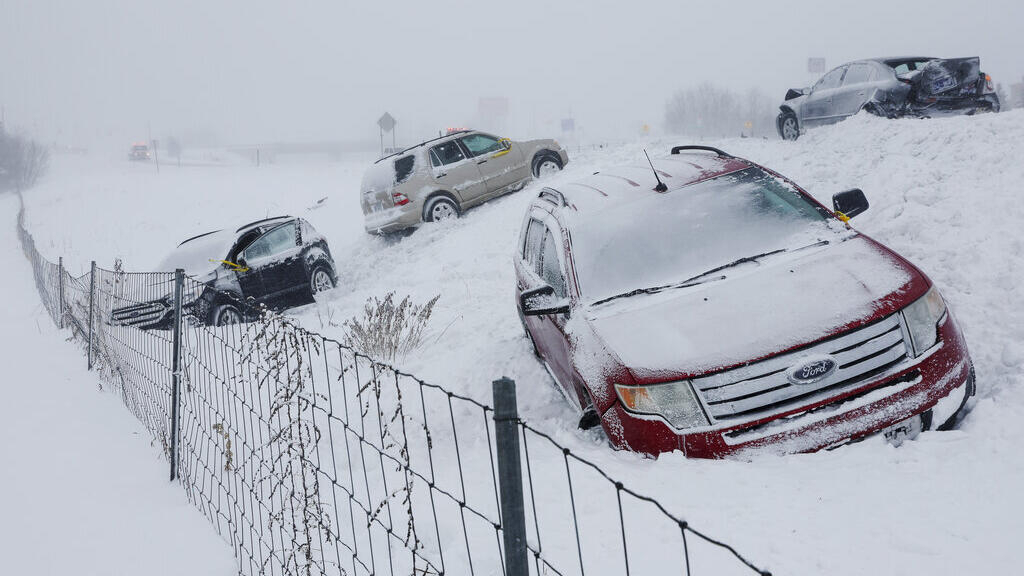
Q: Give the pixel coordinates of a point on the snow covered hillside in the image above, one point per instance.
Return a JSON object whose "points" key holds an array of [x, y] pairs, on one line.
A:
{"points": [[944, 193]]}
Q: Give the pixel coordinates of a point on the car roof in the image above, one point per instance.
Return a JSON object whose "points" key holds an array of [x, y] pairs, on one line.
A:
{"points": [[264, 222], [608, 188], [268, 222], [897, 59], [425, 142]]}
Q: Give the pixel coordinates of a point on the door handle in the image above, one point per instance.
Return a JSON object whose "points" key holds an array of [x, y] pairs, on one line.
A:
{"points": [[442, 175], [482, 161]]}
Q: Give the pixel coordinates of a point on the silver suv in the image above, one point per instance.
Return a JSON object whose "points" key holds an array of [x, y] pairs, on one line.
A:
{"points": [[439, 179]]}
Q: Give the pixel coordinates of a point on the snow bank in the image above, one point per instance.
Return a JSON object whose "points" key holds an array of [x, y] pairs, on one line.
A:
{"points": [[85, 492]]}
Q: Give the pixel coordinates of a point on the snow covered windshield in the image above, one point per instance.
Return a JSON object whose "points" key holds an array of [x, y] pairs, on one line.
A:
{"points": [[194, 255], [662, 239]]}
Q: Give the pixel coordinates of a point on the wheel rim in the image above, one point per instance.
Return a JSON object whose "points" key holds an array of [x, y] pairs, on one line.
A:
{"points": [[229, 317], [442, 211], [789, 129], [321, 281], [547, 168]]}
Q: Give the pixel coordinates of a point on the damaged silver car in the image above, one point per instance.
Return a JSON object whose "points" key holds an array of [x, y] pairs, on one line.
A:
{"points": [[890, 87]]}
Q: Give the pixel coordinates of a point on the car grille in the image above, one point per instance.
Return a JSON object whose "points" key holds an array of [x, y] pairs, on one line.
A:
{"points": [[763, 387], [142, 315]]}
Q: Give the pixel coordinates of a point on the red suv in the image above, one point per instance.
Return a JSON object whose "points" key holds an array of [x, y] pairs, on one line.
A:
{"points": [[707, 304]]}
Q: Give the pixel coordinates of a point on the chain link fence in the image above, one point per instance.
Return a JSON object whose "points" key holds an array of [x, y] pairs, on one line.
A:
{"points": [[311, 458]]}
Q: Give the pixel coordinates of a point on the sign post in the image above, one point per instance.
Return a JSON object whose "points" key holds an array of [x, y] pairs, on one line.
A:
{"points": [[386, 123]]}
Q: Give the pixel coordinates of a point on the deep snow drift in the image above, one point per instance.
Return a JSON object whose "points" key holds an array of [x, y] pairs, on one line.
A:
{"points": [[944, 193], [84, 491]]}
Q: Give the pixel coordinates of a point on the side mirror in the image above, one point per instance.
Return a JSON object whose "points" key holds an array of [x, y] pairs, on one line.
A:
{"points": [[850, 203], [242, 265], [542, 301], [506, 144]]}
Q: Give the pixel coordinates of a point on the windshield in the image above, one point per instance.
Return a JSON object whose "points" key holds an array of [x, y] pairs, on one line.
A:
{"points": [[667, 238], [195, 254]]}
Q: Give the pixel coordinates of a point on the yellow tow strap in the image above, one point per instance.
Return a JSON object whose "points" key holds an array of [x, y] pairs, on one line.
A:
{"points": [[232, 265]]}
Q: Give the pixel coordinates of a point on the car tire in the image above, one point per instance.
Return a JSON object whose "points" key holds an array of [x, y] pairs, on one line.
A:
{"points": [[440, 208], [225, 314], [789, 128], [961, 411], [321, 279], [546, 164]]}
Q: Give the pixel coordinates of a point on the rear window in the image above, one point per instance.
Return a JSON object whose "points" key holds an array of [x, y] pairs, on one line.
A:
{"points": [[403, 168]]}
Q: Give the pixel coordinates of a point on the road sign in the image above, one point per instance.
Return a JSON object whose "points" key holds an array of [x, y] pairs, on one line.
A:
{"points": [[387, 122], [816, 65]]}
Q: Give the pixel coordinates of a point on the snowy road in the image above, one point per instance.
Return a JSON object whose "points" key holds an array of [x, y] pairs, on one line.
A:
{"points": [[84, 491], [944, 193]]}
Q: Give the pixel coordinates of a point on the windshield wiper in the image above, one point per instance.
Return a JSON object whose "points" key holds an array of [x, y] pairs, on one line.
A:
{"points": [[702, 277]]}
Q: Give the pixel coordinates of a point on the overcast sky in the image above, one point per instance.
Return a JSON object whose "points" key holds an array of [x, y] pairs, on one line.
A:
{"points": [[253, 71]]}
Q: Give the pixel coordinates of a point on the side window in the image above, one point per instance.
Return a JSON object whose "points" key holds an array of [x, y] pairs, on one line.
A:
{"points": [[480, 144], [272, 243], [830, 80], [447, 153], [550, 268], [857, 74], [403, 168], [531, 250]]}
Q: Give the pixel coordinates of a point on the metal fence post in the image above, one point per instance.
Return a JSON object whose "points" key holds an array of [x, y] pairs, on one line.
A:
{"points": [[92, 299], [60, 290], [179, 279], [510, 477]]}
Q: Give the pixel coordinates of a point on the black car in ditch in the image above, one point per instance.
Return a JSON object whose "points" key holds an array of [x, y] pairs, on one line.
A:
{"points": [[278, 262], [914, 86]]}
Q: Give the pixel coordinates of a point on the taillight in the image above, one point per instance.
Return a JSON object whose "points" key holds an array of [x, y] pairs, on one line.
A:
{"points": [[399, 198], [989, 87]]}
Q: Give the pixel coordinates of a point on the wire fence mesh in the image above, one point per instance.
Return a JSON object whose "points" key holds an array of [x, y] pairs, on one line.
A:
{"points": [[311, 458]]}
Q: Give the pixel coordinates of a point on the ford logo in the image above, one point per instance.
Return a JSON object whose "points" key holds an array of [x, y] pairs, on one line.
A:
{"points": [[811, 370]]}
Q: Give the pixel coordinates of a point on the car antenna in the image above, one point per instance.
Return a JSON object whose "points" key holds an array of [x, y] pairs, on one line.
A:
{"points": [[661, 185]]}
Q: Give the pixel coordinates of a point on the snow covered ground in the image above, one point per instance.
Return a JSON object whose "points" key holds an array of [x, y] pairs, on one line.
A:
{"points": [[944, 193], [84, 491]]}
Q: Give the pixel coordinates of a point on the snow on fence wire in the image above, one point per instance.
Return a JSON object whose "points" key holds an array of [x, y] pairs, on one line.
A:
{"points": [[310, 458]]}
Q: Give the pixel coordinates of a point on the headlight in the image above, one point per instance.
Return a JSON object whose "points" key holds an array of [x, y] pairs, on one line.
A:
{"points": [[675, 402], [923, 318]]}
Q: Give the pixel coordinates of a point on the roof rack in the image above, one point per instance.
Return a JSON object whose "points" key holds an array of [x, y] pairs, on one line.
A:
{"points": [[553, 196], [456, 132], [251, 224], [196, 237], [721, 154]]}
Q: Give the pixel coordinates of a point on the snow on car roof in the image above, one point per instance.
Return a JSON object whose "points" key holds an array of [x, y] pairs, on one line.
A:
{"points": [[610, 187]]}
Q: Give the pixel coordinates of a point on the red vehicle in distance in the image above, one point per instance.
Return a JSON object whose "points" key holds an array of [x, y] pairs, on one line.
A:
{"points": [[709, 305]]}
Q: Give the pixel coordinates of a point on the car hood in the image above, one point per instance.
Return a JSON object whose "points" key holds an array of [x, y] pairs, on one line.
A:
{"points": [[759, 310]]}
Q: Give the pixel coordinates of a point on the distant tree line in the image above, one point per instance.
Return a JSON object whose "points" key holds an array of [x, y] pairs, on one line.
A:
{"points": [[711, 111], [22, 161]]}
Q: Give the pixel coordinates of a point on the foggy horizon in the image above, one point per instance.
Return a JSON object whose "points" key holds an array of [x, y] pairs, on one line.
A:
{"points": [[113, 71]]}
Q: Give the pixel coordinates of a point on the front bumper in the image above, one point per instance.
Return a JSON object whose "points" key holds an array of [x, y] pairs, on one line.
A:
{"points": [[934, 380]]}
